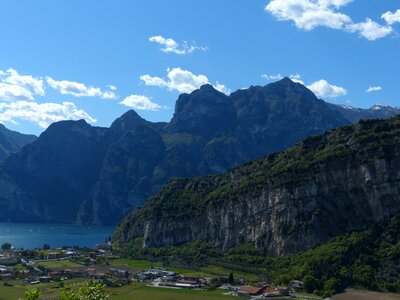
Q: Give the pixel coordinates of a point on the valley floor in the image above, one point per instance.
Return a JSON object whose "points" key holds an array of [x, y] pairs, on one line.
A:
{"points": [[139, 290]]}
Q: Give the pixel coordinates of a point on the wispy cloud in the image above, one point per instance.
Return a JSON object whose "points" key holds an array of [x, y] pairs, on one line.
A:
{"points": [[294, 77], [169, 45], [374, 89], [272, 77], [42, 114], [308, 14], [140, 102], [77, 89], [14, 86], [182, 81]]}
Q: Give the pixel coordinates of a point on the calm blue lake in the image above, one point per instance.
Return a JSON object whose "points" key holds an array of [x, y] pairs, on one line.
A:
{"points": [[30, 236]]}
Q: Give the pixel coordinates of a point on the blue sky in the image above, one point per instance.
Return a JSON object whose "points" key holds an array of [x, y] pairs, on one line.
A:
{"points": [[97, 59]]}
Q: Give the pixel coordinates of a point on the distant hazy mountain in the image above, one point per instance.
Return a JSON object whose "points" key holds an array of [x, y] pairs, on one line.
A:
{"points": [[12, 141], [378, 111], [78, 173]]}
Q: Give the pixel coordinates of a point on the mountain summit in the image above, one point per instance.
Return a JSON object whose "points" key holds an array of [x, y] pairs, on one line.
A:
{"points": [[78, 173]]}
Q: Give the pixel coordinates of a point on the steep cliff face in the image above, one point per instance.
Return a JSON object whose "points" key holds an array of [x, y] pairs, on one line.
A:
{"points": [[322, 187]]}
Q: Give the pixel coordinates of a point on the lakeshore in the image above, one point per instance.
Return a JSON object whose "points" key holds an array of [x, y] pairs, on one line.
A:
{"points": [[35, 235]]}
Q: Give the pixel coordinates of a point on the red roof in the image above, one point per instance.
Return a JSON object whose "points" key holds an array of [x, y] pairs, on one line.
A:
{"points": [[252, 290]]}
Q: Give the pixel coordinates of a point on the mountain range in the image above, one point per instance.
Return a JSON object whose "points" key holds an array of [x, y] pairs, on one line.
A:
{"points": [[77, 173]]}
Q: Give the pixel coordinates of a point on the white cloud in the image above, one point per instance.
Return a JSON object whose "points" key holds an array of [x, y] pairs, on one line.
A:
{"points": [[153, 81], [309, 14], [14, 86], [370, 30], [79, 89], [324, 89], [42, 114], [140, 102], [182, 81], [374, 89], [171, 46], [222, 88], [392, 18]]}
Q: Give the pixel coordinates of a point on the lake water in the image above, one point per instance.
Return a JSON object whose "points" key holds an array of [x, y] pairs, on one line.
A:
{"points": [[30, 236]]}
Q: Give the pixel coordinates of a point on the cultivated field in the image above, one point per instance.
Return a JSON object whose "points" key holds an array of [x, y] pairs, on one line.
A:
{"points": [[150, 293]]}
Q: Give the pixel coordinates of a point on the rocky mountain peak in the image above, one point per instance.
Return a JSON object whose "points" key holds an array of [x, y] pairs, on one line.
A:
{"points": [[202, 112], [129, 120]]}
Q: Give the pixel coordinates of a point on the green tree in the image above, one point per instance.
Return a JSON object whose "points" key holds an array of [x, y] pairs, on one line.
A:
{"points": [[332, 284], [309, 283], [363, 275], [6, 246], [93, 291], [283, 279], [69, 294], [32, 294], [231, 278], [46, 247]]}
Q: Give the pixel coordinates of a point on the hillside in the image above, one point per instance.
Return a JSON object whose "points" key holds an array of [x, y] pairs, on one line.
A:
{"points": [[324, 186], [78, 173]]}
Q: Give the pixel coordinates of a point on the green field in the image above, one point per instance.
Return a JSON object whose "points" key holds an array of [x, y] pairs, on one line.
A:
{"points": [[150, 293], [58, 264], [136, 264], [126, 292], [206, 271], [11, 293], [18, 289]]}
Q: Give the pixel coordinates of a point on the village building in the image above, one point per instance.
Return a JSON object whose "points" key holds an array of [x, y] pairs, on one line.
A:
{"points": [[246, 291]]}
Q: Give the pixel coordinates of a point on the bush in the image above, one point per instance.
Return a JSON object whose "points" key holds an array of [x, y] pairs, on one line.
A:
{"points": [[309, 283], [333, 285], [364, 276]]}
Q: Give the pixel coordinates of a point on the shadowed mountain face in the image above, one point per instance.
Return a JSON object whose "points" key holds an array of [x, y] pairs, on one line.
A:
{"points": [[12, 141], [322, 187], [78, 173]]}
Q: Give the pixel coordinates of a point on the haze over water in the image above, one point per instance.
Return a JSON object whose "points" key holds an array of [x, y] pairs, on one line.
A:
{"points": [[30, 236]]}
